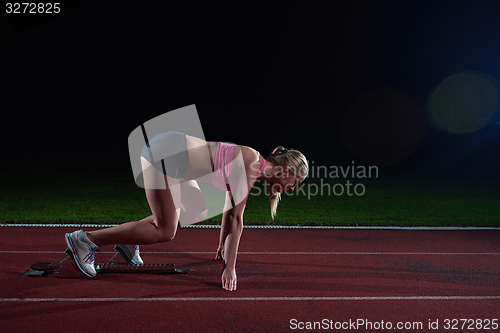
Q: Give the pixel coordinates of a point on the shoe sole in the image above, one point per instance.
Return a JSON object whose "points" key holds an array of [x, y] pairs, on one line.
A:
{"points": [[126, 255], [72, 251]]}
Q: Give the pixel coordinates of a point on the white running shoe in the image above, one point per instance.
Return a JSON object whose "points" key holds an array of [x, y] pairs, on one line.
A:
{"points": [[131, 253], [82, 251]]}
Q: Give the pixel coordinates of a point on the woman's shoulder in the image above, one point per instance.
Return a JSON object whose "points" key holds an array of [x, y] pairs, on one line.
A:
{"points": [[252, 159], [250, 155]]}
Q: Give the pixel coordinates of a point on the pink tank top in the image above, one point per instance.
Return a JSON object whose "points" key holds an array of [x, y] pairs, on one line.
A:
{"points": [[223, 165]]}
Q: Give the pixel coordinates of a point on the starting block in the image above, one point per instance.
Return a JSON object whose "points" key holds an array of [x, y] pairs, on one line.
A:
{"points": [[67, 268]]}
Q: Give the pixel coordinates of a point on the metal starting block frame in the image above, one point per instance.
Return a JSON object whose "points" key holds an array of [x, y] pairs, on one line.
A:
{"points": [[67, 268]]}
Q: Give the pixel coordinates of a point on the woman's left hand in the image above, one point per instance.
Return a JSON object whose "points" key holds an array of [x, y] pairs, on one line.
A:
{"points": [[220, 253], [229, 279]]}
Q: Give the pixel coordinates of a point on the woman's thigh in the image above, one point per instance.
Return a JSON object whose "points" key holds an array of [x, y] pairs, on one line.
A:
{"points": [[194, 208], [163, 194]]}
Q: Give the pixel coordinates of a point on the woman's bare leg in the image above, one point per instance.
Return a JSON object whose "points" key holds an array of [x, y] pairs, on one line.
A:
{"points": [[163, 194], [194, 208]]}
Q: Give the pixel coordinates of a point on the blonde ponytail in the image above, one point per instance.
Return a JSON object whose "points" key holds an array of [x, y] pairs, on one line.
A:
{"points": [[293, 159], [274, 199]]}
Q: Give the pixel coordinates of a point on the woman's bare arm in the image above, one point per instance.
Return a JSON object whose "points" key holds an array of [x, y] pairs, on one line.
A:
{"points": [[231, 230]]}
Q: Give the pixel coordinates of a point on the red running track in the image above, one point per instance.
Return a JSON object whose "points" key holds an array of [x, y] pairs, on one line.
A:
{"points": [[287, 279]]}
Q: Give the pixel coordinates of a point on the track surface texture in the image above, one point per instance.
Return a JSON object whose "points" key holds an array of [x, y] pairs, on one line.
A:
{"points": [[289, 280]]}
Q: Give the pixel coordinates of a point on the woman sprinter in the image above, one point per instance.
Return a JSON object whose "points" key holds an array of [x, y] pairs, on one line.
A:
{"points": [[172, 164]]}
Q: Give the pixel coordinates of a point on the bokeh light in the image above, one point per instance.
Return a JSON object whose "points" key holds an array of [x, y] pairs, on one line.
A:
{"points": [[383, 127], [465, 102]]}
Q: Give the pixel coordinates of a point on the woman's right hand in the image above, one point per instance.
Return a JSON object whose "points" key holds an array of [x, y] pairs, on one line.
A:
{"points": [[229, 279]]}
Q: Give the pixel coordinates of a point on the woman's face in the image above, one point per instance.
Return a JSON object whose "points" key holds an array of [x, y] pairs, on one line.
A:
{"points": [[288, 182]]}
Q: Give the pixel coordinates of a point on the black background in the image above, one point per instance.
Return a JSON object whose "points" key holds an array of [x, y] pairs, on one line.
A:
{"points": [[260, 73]]}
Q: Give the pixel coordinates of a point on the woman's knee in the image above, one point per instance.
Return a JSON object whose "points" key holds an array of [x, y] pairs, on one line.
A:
{"points": [[166, 234], [193, 199]]}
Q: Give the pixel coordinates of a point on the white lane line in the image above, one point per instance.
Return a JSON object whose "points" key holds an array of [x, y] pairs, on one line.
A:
{"points": [[278, 253], [84, 226], [218, 299], [32, 252], [369, 253]]}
